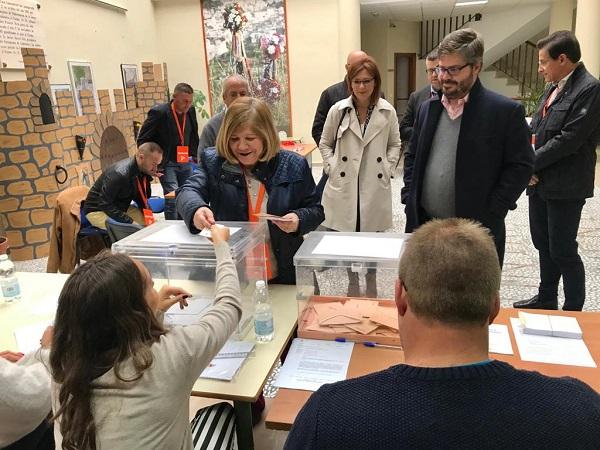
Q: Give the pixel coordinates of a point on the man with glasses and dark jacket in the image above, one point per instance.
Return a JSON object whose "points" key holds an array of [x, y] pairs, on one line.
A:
{"points": [[566, 131], [470, 154]]}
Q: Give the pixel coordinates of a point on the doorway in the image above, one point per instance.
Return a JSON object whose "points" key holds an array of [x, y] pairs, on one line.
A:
{"points": [[404, 80]]}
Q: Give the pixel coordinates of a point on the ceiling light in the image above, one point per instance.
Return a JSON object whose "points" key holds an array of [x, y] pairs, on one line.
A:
{"points": [[475, 2]]}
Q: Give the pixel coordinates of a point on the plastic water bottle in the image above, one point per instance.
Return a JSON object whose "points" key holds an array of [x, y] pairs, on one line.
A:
{"points": [[9, 282], [263, 313]]}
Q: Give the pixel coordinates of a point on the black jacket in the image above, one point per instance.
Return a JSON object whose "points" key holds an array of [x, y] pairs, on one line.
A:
{"points": [[566, 139], [289, 184], [494, 158], [160, 127], [329, 97], [113, 192], [415, 100]]}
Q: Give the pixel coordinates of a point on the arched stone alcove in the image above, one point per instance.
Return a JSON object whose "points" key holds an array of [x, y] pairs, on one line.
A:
{"points": [[113, 147]]}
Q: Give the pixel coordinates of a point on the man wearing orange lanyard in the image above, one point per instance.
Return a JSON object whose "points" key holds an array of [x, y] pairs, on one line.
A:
{"points": [[174, 127], [123, 182]]}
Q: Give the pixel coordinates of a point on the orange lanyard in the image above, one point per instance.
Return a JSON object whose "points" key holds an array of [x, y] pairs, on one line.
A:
{"points": [[254, 210], [252, 217], [180, 129], [143, 191]]}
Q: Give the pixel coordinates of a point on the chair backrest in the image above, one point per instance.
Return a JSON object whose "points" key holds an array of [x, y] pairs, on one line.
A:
{"points": [[117, 230], [157, 204]]}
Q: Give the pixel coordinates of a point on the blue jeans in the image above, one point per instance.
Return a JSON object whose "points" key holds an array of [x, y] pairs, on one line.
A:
{"points": [[174, 176]]}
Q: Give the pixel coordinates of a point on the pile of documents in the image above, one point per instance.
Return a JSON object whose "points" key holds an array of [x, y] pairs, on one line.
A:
{"points": [[547, 325], [365, 317]]}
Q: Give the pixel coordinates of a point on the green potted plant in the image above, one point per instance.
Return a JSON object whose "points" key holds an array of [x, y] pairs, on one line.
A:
{"points": [[199, 102]]}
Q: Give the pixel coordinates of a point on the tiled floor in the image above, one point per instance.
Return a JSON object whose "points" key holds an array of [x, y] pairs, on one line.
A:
{"points": [[519, 279]]}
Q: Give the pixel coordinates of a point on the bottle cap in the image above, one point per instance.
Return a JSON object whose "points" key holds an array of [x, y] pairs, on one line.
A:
{"points": [[260, 284]]}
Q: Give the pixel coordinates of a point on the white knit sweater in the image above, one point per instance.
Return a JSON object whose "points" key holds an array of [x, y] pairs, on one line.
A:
{"points": [[24, 397], [153, 412]]}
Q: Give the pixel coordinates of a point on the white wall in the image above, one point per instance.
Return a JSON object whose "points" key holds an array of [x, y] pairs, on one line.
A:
{"points": [[106, 37]]}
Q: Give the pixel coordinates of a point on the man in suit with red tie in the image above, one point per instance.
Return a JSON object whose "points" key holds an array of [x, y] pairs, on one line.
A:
{"points": [[566, 131]]}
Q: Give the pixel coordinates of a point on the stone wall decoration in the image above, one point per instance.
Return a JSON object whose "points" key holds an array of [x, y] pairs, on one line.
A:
{"points": [[39, 159], [83, 79], [249, 38], [129, 74]]}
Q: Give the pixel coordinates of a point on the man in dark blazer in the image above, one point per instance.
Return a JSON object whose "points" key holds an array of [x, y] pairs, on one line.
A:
{"points": [[470, 154], [173, 126], [566, 131], [417, 98]]}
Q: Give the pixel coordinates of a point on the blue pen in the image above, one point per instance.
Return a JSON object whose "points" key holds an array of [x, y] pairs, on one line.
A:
{"points": [[370, 344]]}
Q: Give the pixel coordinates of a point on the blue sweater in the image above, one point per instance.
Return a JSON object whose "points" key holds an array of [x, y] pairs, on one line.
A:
{"points": [[491, 406]]}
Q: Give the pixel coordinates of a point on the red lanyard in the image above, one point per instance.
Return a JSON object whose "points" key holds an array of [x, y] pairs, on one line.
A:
{"points": [[549, 101], [180, 129], [143, 191]]}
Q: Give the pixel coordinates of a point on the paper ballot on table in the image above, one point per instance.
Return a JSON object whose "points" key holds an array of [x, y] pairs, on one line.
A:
{"points": [[179, 234], [28, 338], [197, 307], [549, 325], [359, 246], [312, 363], [499, 339], [551, 349]]}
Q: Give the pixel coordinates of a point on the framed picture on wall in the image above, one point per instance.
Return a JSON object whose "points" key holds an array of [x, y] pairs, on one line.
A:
{"points": [[249, 38], [82, 78], [129, 74]]}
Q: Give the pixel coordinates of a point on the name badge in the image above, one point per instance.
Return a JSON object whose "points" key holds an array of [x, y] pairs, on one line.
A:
{"points": [[148, 216], [183, 154]]}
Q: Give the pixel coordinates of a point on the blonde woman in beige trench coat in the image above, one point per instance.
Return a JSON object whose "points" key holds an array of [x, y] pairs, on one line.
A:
{"points": [[360, 146], [359, 167]]}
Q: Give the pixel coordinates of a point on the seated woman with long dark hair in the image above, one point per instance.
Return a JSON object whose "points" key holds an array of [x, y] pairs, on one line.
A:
{"points": [[121, 380], [247, 175]]}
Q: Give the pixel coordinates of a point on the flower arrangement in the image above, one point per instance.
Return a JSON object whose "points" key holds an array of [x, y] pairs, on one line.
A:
{"points": [[234, 17], [272, 45], [269, 90]]}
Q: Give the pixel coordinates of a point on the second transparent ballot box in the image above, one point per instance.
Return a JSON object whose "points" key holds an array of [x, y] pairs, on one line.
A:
{"points": [[346, 284], [175, 256]]}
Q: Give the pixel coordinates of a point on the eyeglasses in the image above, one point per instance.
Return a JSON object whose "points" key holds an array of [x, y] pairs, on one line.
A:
{"points": [[363, 82], [452, 71], [430, 71]]}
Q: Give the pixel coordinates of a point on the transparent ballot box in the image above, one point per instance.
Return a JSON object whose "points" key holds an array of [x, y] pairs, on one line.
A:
{"points": [[346, 284], [173, 255]]}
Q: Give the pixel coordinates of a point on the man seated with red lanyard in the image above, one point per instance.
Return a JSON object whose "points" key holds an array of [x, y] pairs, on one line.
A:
{"points": [[125, 181]]}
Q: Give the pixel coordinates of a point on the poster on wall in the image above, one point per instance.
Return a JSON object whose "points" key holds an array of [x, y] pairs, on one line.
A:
{"points": [[82, 79], [249, 38], [19, 28], [129, 74]]}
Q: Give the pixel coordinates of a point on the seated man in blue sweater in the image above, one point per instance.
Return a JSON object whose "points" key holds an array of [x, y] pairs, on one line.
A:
{"points": [[449, 393]]}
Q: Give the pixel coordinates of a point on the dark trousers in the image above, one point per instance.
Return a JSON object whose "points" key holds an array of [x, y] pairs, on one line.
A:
{"points": [[554, 225], [174, 176]]}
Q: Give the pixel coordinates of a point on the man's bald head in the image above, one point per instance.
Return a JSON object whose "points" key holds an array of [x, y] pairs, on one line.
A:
{"points": [[354, 57], [234, 86]]}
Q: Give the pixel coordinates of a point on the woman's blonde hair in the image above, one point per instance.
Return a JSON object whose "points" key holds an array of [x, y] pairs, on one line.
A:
{"points": [[255, 114]]}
